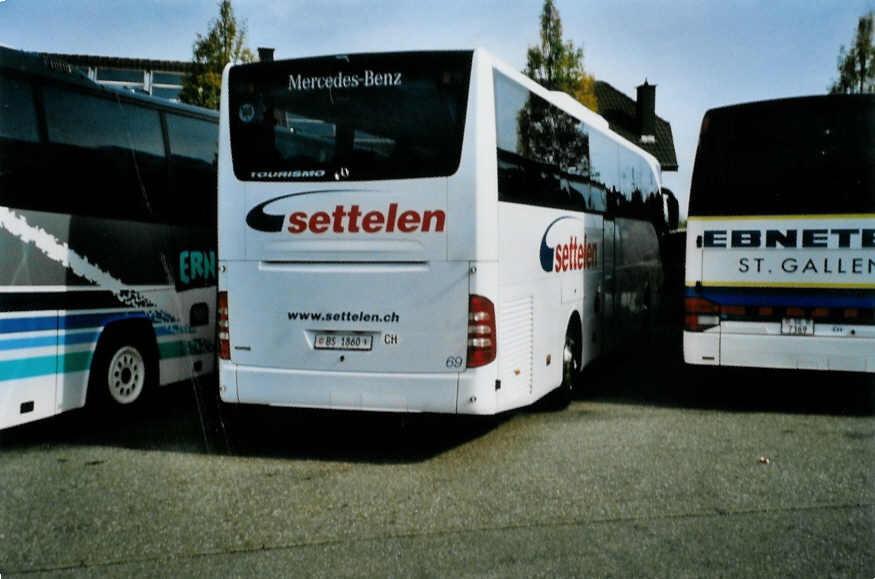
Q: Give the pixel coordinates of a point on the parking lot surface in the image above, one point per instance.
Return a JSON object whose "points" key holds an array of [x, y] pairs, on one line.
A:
{"points": [[653, 470]]}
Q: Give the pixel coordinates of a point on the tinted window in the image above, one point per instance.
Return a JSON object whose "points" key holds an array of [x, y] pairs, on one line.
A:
{"points": [[604, 178], [809, 155], [193, 147], [359, 117], [17, 113], [87, 121], [543, 152], [193, 139], [106, 158], [20, 151]]}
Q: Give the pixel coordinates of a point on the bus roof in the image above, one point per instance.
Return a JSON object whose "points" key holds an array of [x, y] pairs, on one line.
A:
{"points": [[50, 67]]}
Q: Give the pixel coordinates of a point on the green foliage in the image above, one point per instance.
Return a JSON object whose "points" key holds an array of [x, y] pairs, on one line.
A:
{"points": [[558, 65], [856, 65], [225, 42]]}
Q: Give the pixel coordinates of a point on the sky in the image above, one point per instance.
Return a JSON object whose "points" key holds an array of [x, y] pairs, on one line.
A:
{"points": [[700, 53]]}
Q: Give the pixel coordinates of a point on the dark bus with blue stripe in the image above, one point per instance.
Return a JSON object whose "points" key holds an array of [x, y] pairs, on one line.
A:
{"points": [[108, 236], [780, 259]]}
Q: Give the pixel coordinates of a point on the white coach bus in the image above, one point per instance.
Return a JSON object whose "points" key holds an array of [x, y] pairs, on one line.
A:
{"points": [[780, 258], [423, 231], [107, 241]]}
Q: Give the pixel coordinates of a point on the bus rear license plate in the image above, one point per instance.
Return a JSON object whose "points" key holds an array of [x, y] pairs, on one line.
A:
{"points": [[797, 327], [343, 342]]}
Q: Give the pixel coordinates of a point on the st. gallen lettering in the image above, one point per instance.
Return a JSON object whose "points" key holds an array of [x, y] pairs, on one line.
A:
{"points": [[353, 219]]}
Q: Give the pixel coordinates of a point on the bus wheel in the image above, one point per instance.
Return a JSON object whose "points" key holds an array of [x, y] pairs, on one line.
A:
{"points": [[122, 370], [563, 395]]}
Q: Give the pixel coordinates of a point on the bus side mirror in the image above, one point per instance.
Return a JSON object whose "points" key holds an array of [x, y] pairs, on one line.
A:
{"points": [[672, 209]]}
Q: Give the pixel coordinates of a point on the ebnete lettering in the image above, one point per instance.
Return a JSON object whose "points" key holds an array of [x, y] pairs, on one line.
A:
{"points": [[789, 238]]}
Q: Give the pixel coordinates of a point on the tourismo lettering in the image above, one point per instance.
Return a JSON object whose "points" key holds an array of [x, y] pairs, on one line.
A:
{"points": [[368, 79], [354, 220], [789, 238]]}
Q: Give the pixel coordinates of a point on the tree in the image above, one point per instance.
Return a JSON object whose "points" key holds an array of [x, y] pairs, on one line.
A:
{"points": [[225, 42], [856, 65], [558, 65]]}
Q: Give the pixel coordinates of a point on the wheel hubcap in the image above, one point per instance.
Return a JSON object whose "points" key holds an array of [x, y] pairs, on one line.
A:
{"points": [[127, 375]]}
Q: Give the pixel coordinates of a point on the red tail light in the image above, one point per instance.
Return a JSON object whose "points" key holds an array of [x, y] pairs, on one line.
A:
{"points": [[482, 337], [224, 327], [700, 314]]}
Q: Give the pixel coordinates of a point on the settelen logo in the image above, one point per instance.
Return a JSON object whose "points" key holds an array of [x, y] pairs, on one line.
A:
{"points": [[573, 255], [345, 219]]}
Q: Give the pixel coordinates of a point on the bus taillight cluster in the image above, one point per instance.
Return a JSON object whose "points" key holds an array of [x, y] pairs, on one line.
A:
{"points": [[481, 331], [224, 327], [700, 314]]}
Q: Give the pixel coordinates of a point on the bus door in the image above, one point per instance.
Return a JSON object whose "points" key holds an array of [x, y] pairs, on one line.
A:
{"points": [[608, 287]]}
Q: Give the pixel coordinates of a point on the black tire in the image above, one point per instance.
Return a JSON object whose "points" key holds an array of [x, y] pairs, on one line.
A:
{"points": [[561, 397], [123, 370]]}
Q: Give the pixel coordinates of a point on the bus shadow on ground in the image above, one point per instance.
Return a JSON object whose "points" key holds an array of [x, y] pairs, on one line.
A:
{"points": [[189, 418], [370, 437], [657, 375]]}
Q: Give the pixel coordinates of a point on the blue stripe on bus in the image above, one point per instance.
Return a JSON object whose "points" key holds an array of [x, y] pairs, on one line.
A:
{"points": [[44, 365], [66, 322], [782, 297], [46, 341], [78, 361], [13, 325]]}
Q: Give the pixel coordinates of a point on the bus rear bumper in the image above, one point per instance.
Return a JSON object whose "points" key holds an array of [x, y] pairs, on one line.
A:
{"points": [[381, 392], [847, 354]]}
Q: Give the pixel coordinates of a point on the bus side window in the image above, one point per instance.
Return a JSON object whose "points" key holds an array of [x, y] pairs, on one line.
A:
{"points": [[193, 155], [19, 143], [17, 111], [91, 141]]}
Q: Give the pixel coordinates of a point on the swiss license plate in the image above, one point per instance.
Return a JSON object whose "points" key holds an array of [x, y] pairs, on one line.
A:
{"points": [[343, 341], [797, 327]]}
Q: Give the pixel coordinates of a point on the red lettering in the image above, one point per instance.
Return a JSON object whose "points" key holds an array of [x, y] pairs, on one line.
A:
{"points": [[408, 221], [439, 218], [354, 215], [342, 219], [319, 222], [297, 222], [574, 255], [373, 222], [390, 220], [338, 215]]}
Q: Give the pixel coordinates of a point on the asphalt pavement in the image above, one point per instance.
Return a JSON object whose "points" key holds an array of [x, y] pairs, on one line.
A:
{"points": [[653, 471]]}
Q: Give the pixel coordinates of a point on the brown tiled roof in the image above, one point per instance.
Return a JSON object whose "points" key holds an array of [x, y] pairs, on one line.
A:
{"points": [[619, 110]]}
